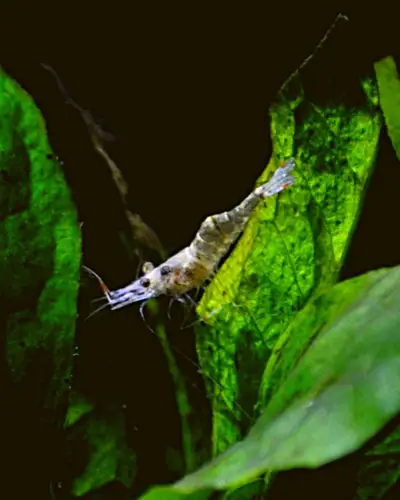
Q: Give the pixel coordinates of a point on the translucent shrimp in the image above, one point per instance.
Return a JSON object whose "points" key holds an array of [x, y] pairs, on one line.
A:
{"points": [[192, 266]]}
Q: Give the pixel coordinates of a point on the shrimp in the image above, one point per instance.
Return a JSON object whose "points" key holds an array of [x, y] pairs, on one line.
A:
{"points": [[191, 267]]}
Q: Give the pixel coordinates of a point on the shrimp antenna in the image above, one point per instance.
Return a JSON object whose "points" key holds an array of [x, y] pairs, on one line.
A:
{"points": [[103, 286], [99, 299], [97, 310]]}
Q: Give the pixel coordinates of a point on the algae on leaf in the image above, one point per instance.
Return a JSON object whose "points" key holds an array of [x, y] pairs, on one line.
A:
{"points": [[338, 394], [292, 248], [40, 251]]}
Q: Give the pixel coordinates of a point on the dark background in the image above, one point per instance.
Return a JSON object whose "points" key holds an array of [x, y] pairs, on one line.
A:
{"points": [[185, 89]]}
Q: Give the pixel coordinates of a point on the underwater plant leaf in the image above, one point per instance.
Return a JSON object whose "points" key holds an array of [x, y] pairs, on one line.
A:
{"points": [[194, 446], [109, 456], [255, 489], [292, 248], [338, 394], [40, 253], [379, 469], [389, 98], [78, 407], [167, 493]]}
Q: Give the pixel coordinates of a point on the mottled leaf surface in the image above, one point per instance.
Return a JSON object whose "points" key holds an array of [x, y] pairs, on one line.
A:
{"points": [[292, 248], [40, 252], [379, 467]]}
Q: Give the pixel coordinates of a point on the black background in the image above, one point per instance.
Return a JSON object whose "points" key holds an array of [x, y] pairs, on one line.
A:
{"points": [[185, 89]]}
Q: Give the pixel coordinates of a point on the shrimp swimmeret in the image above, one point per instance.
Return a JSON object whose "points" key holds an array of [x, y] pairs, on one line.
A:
{"points": [[192, 266]]}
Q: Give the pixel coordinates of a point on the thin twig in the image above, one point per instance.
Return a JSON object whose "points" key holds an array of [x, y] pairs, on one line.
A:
{"points": [[339, 17], [141, 232]]}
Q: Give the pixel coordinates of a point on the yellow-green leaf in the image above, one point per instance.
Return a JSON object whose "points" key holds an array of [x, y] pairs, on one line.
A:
{"points": [[293, 247]]}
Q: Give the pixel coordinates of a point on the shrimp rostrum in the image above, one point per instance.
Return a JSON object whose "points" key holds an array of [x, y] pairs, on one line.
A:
{"points": [[192, 266]]}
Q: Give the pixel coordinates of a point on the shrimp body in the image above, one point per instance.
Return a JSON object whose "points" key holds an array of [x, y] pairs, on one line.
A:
{"points": [[190, 268], [218, 232]]}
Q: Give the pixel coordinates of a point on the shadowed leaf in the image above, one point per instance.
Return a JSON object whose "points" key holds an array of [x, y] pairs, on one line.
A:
{"points": [[40, 251], [379, 468], [110, 457]]}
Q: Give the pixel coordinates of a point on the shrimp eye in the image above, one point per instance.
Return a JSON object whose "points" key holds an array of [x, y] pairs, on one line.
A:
{"points": [[145, 282], [165, 270]]}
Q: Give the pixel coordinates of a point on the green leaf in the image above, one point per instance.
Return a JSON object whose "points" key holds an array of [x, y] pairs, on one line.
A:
{"points": [[110, 457], [389, 98], [248, 491], [194, 442], [78, 407], [40, 251], [291, 249], [167, 493], [339, 393], [379, 468]]}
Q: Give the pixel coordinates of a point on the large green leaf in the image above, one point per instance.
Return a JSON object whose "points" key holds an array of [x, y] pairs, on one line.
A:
{"points": [[338, 394], [168, 493], [39, 266], [389, 98], [292, 248], [380, 465]]}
